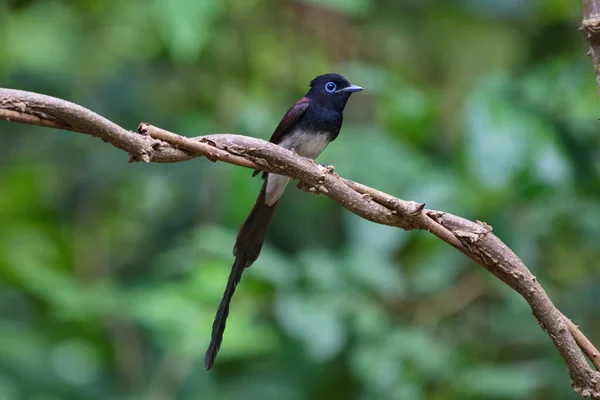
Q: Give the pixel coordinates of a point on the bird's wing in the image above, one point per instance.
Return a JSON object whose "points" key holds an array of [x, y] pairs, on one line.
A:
{"points": [[289, 119]]}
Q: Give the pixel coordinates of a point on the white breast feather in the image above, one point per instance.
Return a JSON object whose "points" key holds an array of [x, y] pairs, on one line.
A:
{"points": [[305, 144]]}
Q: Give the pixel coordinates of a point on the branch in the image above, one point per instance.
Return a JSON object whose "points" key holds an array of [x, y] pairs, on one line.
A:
{"points": [[591, 28], [474, 239]]}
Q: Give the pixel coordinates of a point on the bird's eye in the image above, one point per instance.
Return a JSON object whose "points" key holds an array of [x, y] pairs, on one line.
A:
{"points": [[330, 87]]}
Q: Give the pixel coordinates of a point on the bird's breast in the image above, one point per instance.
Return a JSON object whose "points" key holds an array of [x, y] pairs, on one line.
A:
{"points": [[306, 143]]}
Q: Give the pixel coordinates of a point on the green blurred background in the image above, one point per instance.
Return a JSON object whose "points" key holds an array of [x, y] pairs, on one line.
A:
{"points": [[111, 272]]}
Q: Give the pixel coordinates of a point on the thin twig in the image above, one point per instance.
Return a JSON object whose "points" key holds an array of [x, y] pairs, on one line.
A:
{"points": [[584, 344], [590, 25]]}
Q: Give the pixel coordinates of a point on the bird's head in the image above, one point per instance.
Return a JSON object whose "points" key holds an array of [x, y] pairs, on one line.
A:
{"points": [[332, 89]]}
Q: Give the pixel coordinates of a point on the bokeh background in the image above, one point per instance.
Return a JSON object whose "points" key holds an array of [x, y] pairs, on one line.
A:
{"points": [[111, 272]]}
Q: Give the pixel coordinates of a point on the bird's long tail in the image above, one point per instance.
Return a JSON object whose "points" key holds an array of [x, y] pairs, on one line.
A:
{"points": [[247, 249]]}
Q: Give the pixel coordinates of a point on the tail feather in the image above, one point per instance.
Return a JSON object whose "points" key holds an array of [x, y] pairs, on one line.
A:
{"points": [[222, 313], [247, 249], [252, 234]]}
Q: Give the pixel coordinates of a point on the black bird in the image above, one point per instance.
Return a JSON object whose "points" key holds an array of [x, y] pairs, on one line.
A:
{"points": [[306, 129]]}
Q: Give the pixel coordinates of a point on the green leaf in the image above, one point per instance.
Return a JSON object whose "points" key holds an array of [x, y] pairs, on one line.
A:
{"points": [[350, 7], [316, 321], [500, 381], [187, 25], [8, 389], [76, 362]]}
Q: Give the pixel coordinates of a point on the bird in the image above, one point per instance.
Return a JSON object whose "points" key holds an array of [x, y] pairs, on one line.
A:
{"points": [[306, 129]]}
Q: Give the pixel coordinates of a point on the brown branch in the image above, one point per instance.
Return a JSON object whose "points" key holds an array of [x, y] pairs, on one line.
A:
{"points": [[475, 240], [590, 25], [584, 344]]}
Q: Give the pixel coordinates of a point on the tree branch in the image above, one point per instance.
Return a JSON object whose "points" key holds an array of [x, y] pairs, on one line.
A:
{"points": [[591, 27], [474, 239]]}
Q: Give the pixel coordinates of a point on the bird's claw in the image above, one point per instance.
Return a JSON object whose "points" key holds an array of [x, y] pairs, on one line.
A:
{"points": [[326, 168]]}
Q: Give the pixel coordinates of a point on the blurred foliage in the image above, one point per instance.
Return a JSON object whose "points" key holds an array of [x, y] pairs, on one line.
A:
{"points": [[111, 272]]}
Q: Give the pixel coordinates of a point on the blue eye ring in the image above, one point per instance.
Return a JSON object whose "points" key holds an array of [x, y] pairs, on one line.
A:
{"points": [[330, 87]]}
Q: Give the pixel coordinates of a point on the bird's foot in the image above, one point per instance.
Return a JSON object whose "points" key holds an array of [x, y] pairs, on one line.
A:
{"points": [[326, 168], [316, 189]]}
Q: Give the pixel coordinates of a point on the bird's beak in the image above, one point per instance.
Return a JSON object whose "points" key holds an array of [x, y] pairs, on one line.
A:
{"points": [[350, 89]]}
